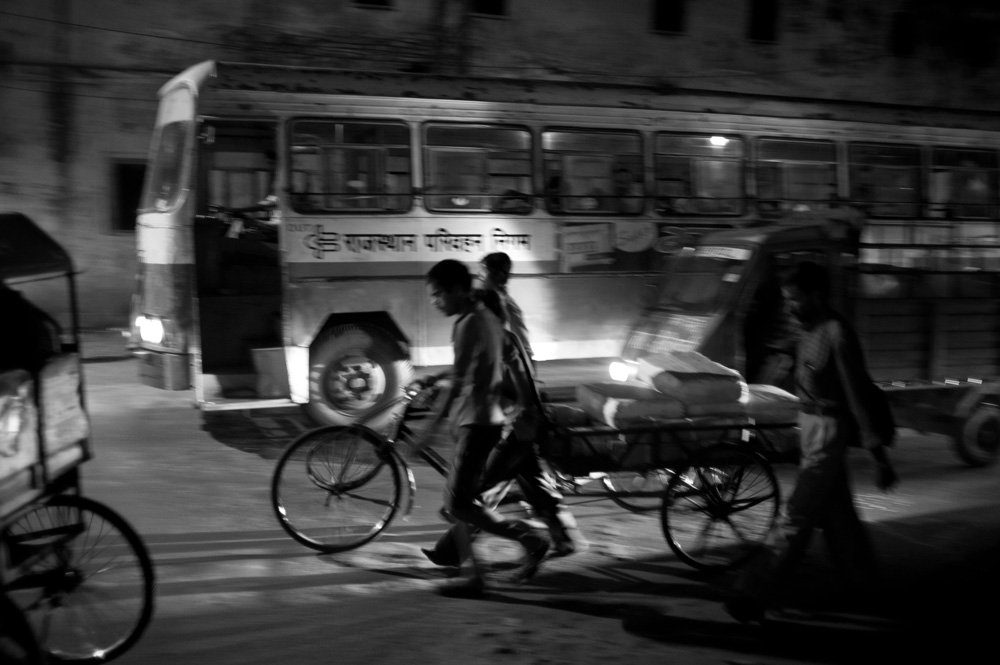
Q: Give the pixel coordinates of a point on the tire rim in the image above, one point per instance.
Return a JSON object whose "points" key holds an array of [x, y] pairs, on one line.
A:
{"points": [[354, 384]]}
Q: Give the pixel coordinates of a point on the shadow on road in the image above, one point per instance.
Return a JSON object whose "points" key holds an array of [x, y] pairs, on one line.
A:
{"points": [[262, 432]]}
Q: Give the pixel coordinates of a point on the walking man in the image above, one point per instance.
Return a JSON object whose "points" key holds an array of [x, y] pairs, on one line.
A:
{"points": [[516, 457], [834, 388], [473, 403]]}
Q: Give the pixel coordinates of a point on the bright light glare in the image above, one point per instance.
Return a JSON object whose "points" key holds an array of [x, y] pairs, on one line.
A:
{"points": [[619, 371], [719, 140], [150, 330]]}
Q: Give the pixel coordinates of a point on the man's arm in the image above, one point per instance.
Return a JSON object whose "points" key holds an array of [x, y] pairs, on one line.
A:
{"points": [[517, 326]]}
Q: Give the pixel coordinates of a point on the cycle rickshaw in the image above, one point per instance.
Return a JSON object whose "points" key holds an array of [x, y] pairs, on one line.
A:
{"points": [[338, 487], [76, 581]]}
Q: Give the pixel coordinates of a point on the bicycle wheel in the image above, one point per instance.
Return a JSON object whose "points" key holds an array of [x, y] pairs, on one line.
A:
{"points": [[88, 588], [623, 485], [717, 512], [336, 488]]}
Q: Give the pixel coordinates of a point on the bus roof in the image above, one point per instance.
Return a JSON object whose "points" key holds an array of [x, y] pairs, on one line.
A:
{"points": [[252, 78], [28, 252]]}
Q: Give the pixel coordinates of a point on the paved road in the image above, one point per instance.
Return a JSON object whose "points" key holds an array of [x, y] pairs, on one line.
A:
{"points": [[233, 588]]}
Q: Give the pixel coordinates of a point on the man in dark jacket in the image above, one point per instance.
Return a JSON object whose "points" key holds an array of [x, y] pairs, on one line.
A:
{"points": [[834, 389]]}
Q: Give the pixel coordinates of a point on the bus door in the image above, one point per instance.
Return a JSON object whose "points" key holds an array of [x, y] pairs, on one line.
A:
{"points": [[237, 266]]}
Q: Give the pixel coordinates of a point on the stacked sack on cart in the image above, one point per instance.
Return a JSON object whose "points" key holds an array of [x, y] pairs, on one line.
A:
{"points": [[679, 402]]}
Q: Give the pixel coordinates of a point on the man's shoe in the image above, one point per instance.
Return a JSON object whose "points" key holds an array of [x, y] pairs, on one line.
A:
{"points": [[438, 559], [463, 587], [537, 547], [745, 609]]}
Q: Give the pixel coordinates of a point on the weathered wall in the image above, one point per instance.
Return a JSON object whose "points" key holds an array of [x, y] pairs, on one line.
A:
{"points": [[78, 78]]}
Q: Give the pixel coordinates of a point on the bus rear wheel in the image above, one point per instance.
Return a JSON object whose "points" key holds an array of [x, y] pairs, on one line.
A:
{"points": [[355, 372]]}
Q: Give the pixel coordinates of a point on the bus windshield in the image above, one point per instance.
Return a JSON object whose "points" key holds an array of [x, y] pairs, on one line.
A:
{"points": [[699, 281], [164, 183]]}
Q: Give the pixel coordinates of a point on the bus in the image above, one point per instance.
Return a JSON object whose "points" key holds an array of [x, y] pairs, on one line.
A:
{"points": [[290, 214]]}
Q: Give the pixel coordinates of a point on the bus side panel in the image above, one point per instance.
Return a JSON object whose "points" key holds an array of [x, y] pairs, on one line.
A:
{"points": [[308, 305], [567, 317]]}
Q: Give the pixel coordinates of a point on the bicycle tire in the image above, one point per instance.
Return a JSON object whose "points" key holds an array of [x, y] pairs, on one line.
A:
{"points": [[717, 512], [336, 488], [88, 592], [621, 483]]}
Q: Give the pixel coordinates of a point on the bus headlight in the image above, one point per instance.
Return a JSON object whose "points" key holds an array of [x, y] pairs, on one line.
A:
{"points": [[620, 370], [150, 329]]}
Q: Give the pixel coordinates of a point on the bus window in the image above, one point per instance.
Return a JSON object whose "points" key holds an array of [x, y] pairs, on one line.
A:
{"points": [[793, 172], [963, 183], [164, 185], [699, 175], [342, 166], [593, 172], [885, 179], [476, 168]]}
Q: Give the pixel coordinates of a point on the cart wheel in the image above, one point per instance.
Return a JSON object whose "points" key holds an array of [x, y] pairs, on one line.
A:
{"points": [[336, 488], [623, 486], [88, 591], [717, 512], [978, 444]]}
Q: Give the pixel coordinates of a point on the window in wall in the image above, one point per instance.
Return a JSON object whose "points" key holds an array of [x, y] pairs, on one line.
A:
{"points": [[593, 172], [885, 179], [127, 176], [963, 183], [668, 15], [763, 21], [488, 7], [350, 166], [699, 175], [792, 172], [478, 168]]}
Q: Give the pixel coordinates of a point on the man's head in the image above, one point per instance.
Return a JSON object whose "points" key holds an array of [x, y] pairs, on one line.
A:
{"points": [[449, 285], [496, 270], [807, 290]]}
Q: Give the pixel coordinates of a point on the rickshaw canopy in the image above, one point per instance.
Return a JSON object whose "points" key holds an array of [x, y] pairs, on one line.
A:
{"points": [[28, 252]]}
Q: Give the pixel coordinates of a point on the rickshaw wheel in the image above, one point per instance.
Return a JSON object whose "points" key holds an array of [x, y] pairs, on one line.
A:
{"points": [[88, 589], [717, 512]]}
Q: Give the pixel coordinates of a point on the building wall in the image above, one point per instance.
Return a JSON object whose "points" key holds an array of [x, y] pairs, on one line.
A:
{"points": [[78, 78]]}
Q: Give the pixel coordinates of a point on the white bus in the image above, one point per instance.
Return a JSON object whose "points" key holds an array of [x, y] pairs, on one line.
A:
{"points": [[290, 214]]}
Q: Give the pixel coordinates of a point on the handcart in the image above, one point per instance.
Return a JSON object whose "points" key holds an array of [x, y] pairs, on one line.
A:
{"points": [[76, 581], [338, 487]]}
